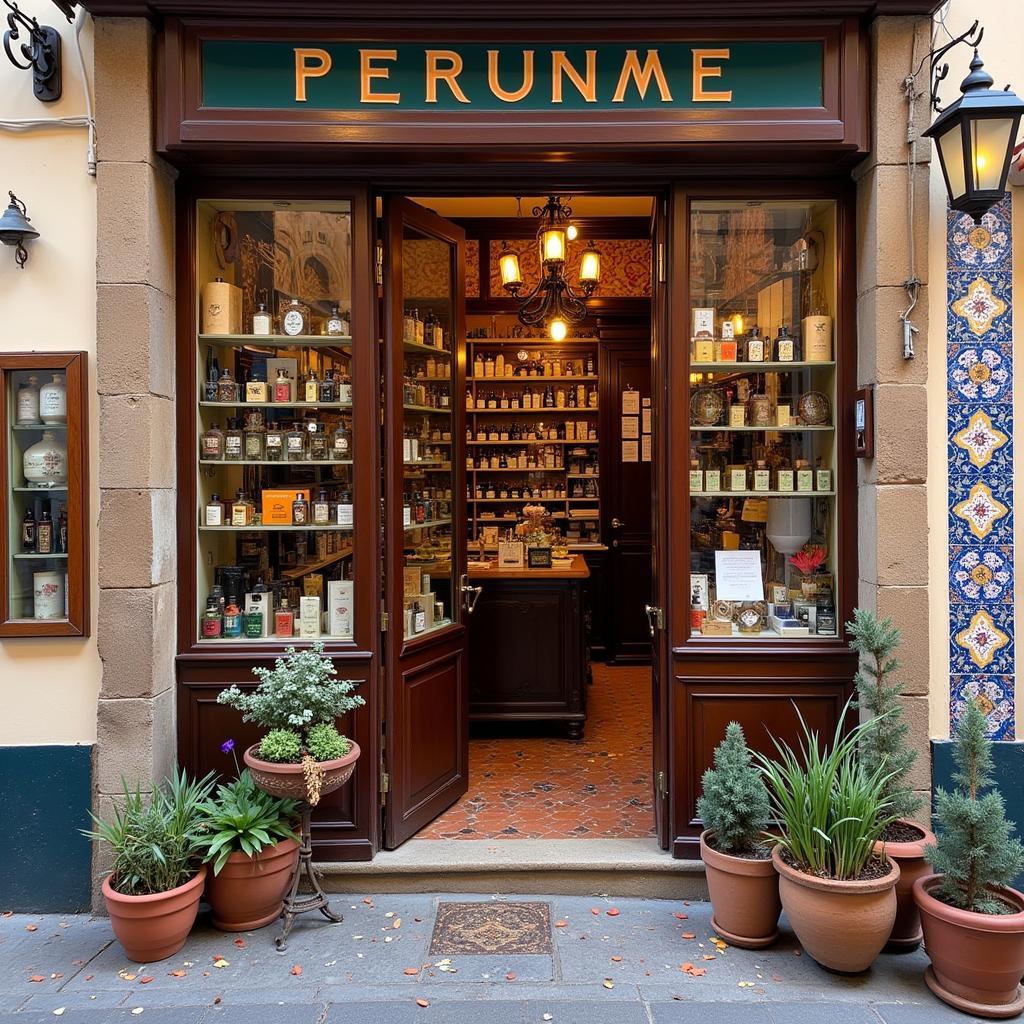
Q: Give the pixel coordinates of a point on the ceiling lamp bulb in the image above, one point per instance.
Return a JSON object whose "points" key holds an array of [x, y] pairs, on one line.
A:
{"points": [[571, 232], [558, 329], [590, 269], [552, 246], [511, 274]]}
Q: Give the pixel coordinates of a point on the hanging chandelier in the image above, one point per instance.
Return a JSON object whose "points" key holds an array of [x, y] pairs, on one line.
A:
{"points": [[553, 303]]}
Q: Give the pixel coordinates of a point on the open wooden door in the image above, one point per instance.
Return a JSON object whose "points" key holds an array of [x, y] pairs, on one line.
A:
{"points": [[426, 709], [657, 610]]}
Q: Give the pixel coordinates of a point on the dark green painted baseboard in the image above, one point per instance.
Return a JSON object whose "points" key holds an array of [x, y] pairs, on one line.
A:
{"points": [[45, 863], [1008, 760]]}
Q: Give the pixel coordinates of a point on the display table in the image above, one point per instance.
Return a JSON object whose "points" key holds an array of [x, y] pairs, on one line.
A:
{"points": [[527, 649]]}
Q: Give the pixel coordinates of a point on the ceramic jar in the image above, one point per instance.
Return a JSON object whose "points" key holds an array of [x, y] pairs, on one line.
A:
{"points": [[48, 595], [28, 403], [45, 463], [53, 401]]}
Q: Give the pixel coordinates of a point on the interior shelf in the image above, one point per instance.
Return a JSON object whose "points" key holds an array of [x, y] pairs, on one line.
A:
{"points": [[279, 340]]}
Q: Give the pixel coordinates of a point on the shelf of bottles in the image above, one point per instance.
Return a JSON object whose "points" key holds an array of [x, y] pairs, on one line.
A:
{"points": [[762, 413], [274, 442], [37, 474], [531, 432], [427, 426]]}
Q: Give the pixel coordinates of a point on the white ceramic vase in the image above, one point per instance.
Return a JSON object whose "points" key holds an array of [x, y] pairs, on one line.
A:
{"points": [[46, 463], [53, 401]]}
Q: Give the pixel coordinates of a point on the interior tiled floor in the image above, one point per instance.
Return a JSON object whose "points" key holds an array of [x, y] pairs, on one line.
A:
{"points": [[543, 786]]}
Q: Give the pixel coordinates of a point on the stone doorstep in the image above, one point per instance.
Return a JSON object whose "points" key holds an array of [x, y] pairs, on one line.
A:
{"points": [[561, 867]]}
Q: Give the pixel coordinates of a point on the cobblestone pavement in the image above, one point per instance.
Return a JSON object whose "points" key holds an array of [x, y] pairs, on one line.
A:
{"points": [[614, 961]]}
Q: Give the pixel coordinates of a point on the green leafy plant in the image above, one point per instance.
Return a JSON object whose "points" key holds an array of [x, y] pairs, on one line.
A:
{"points": [[832, 808], [157, 839], [734, 804], [325, 743], [884, 743], [281, 745], [975, 849], [297, 694], [241, 818]]}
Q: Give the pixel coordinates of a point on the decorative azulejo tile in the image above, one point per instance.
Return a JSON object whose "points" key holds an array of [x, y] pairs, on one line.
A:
{"points": [[980, 511], [981, 638], [979, 306], [984, 246], [994, 693], [980, 439], [980, 575], [979, 372]]}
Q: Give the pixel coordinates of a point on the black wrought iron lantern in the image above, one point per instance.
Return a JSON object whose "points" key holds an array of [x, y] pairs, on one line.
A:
{"points": [[975, 137], [16, 230]]}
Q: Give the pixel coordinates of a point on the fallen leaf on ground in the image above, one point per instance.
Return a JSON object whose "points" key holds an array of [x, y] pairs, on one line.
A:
{"points": [[397, 923], [681, 917], [511, 976], [37, 977], [368, 901], [216, 1000], [297, 969], [616, 959], [698, 972], [686, 968], [547, 1016], [59, 1012], [219, 961], [613, 912], [411, 971], [89, 977], [125, 975], [390, 913], [595, 910], [57, 975], [608, 983], [745, 984], [136, 1011], [418, 920], [35, 928], [146, 980], [206, 974], [689, 935], [561, 924], [176, 974], [422, 1002], [240, 943], [709, 956], [776, 977], [7, 913]]}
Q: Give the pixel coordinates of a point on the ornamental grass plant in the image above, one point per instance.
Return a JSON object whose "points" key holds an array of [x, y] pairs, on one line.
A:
{"points": [[975, 851], [831, 806]]}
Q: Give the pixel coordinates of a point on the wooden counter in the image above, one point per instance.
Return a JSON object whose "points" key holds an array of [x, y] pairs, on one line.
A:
{"points": [[527, 648]]}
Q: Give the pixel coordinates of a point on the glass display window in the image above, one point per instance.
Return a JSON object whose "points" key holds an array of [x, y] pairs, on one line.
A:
{"points": [[274, 427], [43, 542], [762, 419]]}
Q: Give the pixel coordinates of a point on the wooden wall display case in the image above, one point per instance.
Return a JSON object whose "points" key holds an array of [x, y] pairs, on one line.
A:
{"points": [[44, 520]]}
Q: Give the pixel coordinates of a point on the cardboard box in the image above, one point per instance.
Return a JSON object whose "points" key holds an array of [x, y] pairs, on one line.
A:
{"points": [[725, 351], [309, 617], [703, 351], [716, 627], [339, 607], [221, 308], [276, 505]]}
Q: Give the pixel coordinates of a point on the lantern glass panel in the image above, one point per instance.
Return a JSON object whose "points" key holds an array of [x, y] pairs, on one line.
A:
{"points": [[510, 272], [990, 138], [552, 245], [590, 266], [952, 156]]}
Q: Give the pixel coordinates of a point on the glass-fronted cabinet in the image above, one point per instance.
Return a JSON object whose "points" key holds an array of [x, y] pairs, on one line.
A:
{"points": [[275, 438], [43, 539], [763, 419]]}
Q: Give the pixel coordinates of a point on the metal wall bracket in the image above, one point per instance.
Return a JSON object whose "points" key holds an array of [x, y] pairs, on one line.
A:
{"points": [[41, 52]]}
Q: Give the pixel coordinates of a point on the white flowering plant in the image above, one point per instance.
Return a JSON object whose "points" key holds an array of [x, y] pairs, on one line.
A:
{"points": [[298, 694]]}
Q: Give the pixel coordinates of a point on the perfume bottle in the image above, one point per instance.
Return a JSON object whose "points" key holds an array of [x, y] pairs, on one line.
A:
{"points": [[243, 511], [284, 620], [294, 319], [28, 403], [227, 388], [232, 618], [233, 442], [274, 443], [321, 509], [337, 325], [341, 441], [262, 322], [300, 510], [214, 512], [345, 509], [211, 444], [28, 531], [211, 623], [282, 387], [254, 439], [295, 443], [256, 389]]}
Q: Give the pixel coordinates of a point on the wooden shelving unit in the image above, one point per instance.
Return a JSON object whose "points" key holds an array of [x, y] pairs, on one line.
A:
{"points": [[504, 488]]}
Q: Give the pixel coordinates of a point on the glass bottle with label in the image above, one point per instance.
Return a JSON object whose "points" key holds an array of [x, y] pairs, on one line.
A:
{"points": [[212, 623], [232, 618], [227, 388], [274, 443], [328, 390], [282, 387], [344, 382], [825, 616], [762, 476], [755, 346], [62, 529], [345, 508], [341, 441], [233, 442], [311, 388], [321, 509], [53, 401], [256, 389], [28, 532], [254, 438], [211, 444], [785, 349], [294, 319], [284, 620], [300, 510], [214, 513], [243, 511], [262, 322], [28, 403], [337, 325], [318, 444], [295, 443]]}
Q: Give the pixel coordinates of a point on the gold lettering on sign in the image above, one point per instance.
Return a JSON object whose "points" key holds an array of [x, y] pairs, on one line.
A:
{"points": [[449, 75], [701, 71], [304, 70], [642, 76], [368, 71], [587, 86], [510, 95]]}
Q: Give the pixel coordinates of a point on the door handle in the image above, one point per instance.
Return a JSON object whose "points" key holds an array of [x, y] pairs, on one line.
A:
{"points": [[617, 523], [470, 594], [655, 618]]}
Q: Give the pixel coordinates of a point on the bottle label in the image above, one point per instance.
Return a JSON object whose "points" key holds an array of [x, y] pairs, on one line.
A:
{"points": [[785, 350], [211, 447], [321, 513], [344, 514], [312, 391], [824, 481], [336, 327], [214, 515], [712, 479], [28, 405], [253, 447], [52, 401], [252, 624], [785, 480], [341, 447], [696, 480], [255, 391], [233, 446], [239, 515], [296, 445], [762, 480], [293, 322], [28, 537], [261, 324], [211, 626], [274, 442], [804, 480], [755, 351], [299, 515]]}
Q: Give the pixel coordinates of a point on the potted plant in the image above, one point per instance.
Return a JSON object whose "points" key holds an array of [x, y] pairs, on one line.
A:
{"points": [[973, 921], [303, 756], [884, 743], [837, 892], [152, 891], [251, 844], [741, 878]]}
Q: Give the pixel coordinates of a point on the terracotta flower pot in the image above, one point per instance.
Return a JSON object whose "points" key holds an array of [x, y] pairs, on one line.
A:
{"points": [[906, 931], [842, 925], [287, 780], [249, 891], [977, 960], [154, 927], [744, 897]]}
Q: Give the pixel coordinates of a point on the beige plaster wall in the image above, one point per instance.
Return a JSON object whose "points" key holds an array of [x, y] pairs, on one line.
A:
{"points": [[50, 686], [1000, 49]]}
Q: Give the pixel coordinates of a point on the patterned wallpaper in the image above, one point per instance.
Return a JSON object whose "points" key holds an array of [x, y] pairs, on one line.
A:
{"points": [[979, 328], [625, 265]]}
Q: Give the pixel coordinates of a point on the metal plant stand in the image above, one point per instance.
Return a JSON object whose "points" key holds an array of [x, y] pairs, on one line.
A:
{"points": [[294, 903]]}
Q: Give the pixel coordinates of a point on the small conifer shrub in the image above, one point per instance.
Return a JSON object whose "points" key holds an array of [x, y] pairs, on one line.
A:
{"points": [[884, 742], [976, 850], [734, 805]]}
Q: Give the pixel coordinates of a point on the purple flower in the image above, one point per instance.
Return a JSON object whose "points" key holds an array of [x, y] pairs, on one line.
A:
{"points": [[227, 746]]}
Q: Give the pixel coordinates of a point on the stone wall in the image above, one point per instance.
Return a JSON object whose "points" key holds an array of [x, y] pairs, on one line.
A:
{"points": [[892, 491], [135, 379]]}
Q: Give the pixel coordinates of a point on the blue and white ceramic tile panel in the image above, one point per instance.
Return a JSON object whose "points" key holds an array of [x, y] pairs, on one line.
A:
{"points": [[979, 382]]}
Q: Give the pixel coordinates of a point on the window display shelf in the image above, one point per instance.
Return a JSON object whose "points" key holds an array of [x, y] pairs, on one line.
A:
{"points": [[762, 494], [53, 554], [788, 429], [592, 378], [275, 462], [428, 524], [39, 490], [278, 340], [277, 528], [532, 440], [756, 367], [269, 406], [302, 570], [550, 411], [40, 426], [415, 346], [435, 409], [533, 469]]}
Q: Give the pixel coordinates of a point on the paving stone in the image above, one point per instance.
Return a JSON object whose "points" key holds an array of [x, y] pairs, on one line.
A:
{"points": [[687, 1012], [930, 1012], [586, 1013], [815, 1013], [273, 1013], [46, 1001], [491, 968], [407, 1012], [178, 1015]]}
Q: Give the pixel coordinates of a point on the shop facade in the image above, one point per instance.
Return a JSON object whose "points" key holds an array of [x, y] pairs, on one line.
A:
{"points": [[214, 124]]}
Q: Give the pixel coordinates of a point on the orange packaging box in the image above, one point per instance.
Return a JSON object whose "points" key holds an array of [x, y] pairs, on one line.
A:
{"points": [[725, 351], [276, 505]]}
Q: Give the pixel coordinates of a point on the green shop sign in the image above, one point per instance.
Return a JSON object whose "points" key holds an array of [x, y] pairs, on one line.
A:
{"points": [[251, 75]]}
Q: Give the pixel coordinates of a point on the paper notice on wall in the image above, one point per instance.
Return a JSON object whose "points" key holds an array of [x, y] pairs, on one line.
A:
{"points": [[630, 427], [630, 451], [738, 576], [645, 448], [631, 402], [646, 420]]}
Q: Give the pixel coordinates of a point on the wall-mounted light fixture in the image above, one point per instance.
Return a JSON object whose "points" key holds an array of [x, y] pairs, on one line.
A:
{"points": [[16, 230], [40, 51]]}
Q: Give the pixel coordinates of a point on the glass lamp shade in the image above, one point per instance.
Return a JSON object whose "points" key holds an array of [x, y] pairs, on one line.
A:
{"points": [[511, 275], [789, 524], [558, 329], [590, 267], [552, 245], [974, 139], [571, 232]]}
